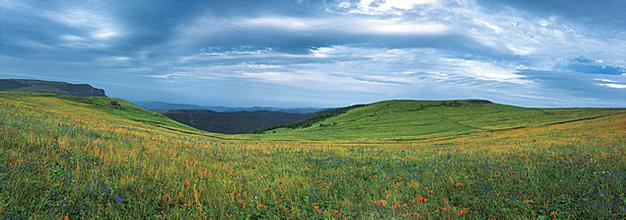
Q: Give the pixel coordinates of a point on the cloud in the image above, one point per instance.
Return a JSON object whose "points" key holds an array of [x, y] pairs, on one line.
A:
{"points": [[613, 85], [392, 26], [94, 28], [607, 14], [352, 51], [347, 67], [382, 7]]}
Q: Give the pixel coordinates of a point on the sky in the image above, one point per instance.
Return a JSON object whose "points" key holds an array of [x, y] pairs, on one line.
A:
{"points": [[539, 53]]}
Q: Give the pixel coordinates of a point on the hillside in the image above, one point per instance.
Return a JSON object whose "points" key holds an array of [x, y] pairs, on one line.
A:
{"points": [[88, 159], [27, 85], [407, 120], [233, 122]]}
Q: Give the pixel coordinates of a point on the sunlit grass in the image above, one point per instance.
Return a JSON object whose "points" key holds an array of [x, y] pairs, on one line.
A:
{"points": [[79, 157]]}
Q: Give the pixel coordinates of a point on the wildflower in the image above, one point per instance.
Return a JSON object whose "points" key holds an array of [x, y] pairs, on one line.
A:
{"points": [[431, 192], [186, 183], [395, 206], [528, 201], [458, 184], [463, 211], [405, 205], [317, 208], [67, 217], [119, 199], [381, 202], [243, 204], [421, 199], [553, 213], [259, 205]]}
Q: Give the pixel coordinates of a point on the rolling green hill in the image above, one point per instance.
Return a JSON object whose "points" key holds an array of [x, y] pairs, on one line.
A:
{"points": [[87, 158], [408, 119], [28, 85]]}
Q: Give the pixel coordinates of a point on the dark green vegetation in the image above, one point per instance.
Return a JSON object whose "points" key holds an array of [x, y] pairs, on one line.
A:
{"points": [[26, 85], [82, 158], [233, 122]]}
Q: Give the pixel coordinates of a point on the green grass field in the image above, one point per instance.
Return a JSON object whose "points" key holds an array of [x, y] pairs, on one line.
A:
{"points": [[78, 157]]}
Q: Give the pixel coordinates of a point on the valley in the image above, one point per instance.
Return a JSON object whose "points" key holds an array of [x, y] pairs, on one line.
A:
{"points": [[81, 157]]}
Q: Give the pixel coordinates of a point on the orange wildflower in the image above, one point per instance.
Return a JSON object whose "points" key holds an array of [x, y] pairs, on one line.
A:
{"points": [[243, 204], [395, 206], [458, 184], [381, 202], [463, 211], [259, 205], [67, 217], [317, 208], [186, 183], [421, 199], [405, 205], [553, 213], [528, 201], [431, 192]]}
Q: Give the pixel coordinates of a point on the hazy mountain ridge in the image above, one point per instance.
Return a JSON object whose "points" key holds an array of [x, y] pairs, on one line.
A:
{"points": [[156, 105]]}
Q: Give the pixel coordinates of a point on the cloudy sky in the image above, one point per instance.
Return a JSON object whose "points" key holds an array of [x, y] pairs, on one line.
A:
{"points": [[324, 53]]}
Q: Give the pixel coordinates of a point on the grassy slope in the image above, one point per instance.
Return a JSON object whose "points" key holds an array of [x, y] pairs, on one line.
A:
{"points": [[73, 156], [41, 86], [406, 120]]}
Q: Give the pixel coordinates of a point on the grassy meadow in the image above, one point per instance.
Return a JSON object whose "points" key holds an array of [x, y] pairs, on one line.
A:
{"points": [[78, 157]]}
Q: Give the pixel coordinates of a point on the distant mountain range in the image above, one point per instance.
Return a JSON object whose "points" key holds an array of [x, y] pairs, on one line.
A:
{"points": [[172, 106], [28, 85]]}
